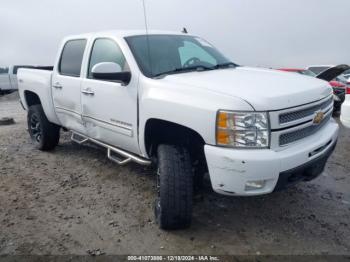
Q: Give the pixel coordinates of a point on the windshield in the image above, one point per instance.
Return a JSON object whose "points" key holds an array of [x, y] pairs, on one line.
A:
{"points": [[165, 54]]}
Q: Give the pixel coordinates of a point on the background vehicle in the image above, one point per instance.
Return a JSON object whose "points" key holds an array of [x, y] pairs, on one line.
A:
{"points": [[346, 75], [8, 81], [343, 78], [317, 69], [174, 100], [339, 88]]}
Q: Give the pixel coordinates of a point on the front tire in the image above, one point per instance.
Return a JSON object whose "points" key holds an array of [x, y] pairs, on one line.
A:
{"points": [[43, 133], [173, 207]]}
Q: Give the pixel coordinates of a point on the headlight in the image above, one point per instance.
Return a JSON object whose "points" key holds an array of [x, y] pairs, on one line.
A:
{"points": [[242, 129]]}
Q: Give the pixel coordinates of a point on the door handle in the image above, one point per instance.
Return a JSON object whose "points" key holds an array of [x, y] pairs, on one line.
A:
{"points": [[88, 92], [57, 85]]}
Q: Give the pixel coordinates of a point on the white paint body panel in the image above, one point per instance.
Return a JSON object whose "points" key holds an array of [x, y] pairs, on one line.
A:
{"points": [[118, 115], [264, 89], [185, 105], [38, 82], [345, 112], [66, 101], [110, 115]]}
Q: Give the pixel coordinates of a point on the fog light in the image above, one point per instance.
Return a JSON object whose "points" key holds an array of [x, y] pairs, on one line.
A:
{"points": [[254, 185]]}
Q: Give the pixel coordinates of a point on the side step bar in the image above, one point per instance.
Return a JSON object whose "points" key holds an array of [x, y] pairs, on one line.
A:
{"points": [[117, 155]]}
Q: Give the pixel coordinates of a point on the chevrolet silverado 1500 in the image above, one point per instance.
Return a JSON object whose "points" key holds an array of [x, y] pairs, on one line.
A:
{"points": [[175, 101]]}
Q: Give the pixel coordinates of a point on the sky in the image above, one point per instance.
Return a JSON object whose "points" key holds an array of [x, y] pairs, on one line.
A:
{"points": [[267, 33]]}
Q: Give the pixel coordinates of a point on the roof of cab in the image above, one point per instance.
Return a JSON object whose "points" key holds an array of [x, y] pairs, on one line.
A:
{"points": [[124, 33]]}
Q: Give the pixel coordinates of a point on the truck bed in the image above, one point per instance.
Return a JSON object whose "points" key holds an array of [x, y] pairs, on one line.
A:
{"points": [[8, 81], [37, 81]]}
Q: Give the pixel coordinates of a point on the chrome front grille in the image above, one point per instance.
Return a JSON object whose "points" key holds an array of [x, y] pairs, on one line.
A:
{"points": [[300, 114], [293, 124], [290, 137]]}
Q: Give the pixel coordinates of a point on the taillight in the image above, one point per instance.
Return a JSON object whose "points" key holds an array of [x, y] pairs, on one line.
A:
{"points": [[348, 90]]}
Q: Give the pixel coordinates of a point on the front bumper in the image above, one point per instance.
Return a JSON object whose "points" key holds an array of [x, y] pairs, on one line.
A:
{"points": [[231, 169]]}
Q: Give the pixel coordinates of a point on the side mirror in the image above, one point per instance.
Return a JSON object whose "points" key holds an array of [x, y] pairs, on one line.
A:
{"points": [[111, 72]]}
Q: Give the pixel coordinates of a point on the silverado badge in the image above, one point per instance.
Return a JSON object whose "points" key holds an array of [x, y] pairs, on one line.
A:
{"points": [[319, 115]]}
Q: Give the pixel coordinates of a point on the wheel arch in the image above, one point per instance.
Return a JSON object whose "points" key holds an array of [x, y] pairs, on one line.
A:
{"points": [[31, 98], [38, 97], [159, 131]]}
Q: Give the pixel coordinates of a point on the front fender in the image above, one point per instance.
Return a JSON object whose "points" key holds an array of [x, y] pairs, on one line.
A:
{"points": [[191, 107]]}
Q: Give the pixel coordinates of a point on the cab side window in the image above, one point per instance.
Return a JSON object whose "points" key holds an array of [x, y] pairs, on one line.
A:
{"points": [[106, 50], [72, 58]]}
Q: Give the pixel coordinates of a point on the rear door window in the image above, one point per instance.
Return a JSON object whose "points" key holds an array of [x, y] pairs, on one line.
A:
{"points": [[72, 58]]}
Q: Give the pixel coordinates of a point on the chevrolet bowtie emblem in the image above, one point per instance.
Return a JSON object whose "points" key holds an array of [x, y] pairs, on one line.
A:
{"points": [[318, 117]]}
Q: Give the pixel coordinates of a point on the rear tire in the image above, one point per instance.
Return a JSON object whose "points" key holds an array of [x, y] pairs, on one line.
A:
{"points": [[43, 133], [173, 207]]}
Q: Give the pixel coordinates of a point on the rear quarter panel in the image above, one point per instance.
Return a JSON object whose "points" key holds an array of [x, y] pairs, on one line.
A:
{"points": [[38, 82]]}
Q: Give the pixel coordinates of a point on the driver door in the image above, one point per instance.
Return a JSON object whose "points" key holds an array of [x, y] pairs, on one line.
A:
{"points": [[109, 108]]}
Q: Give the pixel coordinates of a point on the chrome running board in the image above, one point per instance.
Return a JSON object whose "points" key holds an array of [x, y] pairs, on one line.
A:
{"points": [[117, 155]]}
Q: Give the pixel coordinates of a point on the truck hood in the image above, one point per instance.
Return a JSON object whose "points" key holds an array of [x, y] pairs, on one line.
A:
{"points": [[263, 89]]}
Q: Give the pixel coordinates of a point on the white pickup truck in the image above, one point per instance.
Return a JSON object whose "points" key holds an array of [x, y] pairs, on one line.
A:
{"points": [[8, 81], [175, 101]]}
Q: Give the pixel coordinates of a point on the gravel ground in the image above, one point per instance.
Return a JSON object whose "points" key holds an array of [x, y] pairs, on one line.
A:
{"points": [[75, 201]]}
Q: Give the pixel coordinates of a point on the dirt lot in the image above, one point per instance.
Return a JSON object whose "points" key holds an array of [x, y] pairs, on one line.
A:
{"points": [[75, 201]]}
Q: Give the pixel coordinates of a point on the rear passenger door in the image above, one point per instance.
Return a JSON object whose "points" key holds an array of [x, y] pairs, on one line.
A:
{"points": [[66, 83]]}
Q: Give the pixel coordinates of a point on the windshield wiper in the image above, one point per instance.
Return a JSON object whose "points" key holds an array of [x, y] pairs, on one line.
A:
{"points": [[224, 65], [197, 68]]}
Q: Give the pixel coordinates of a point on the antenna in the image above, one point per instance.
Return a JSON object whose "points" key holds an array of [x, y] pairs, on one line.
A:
{"points": [[147, 36], [184, 30], [145, 15]]}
